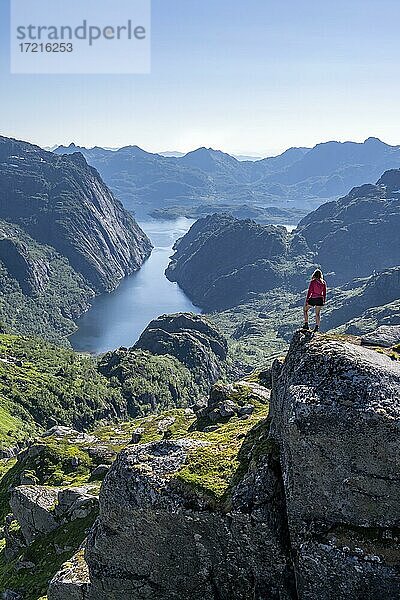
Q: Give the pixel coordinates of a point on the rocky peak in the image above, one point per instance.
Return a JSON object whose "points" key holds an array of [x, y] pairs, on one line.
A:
{"points": [[312, 512], [190, 338], [222, 259]]}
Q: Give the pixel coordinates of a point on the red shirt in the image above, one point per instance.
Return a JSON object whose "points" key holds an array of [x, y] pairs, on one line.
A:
{"points": [[317, 289]]}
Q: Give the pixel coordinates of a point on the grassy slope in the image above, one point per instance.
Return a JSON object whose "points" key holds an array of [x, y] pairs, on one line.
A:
{"points": [[39, 381], [209, 473]]}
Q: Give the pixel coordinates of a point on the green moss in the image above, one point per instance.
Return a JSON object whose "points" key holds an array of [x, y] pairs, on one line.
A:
{"points": [[52, 466], [213, 469], [117, 437], [47, 554], [209, 470]]}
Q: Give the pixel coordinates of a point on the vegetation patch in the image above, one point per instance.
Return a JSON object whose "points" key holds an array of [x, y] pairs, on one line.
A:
{"points": [[39, 381], [212, 470], [34, 567]]}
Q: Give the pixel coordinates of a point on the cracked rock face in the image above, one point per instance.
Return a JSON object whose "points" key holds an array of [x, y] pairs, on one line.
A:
{"points": [[78, 216], [155, 540], [32, 506], [72, 581], [336, 417]]}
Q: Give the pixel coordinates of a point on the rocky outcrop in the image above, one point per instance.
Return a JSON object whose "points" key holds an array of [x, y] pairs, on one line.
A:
{"points": [[39, 509], [311, 514], [72, 581], [335, 411], [229, 400], [190, 338], [221, 260], [176, 534], [359, 233], [385, 336], [33, 507]]}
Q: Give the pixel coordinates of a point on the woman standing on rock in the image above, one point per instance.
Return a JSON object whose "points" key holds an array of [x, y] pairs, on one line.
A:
{"points": [[316, 296]]}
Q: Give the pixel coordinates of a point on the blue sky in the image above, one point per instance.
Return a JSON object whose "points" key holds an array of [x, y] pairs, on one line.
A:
{"points": [[246, 77]]}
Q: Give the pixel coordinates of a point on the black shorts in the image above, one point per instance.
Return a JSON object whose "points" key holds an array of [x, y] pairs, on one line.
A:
{"points": [[316, 302]]}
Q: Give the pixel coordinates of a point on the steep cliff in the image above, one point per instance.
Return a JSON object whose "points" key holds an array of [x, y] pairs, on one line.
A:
{"points": [[221, 260], [310, 513], [48, 292], [62, 202], [63, 238], [359, 233]]}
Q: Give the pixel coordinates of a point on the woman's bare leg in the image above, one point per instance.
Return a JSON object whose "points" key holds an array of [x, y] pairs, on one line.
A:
{"points": [[305, 310], [318, 315]]}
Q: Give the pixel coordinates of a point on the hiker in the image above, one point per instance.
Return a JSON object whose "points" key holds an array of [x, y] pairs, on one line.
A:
{"points": [[316, 296]]}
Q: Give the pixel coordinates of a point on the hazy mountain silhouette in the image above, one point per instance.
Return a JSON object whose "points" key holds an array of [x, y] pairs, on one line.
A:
{"points": [[299, 177]]}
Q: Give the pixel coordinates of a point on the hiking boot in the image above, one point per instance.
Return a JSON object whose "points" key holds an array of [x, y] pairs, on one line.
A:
{"points": [[306, 326]]}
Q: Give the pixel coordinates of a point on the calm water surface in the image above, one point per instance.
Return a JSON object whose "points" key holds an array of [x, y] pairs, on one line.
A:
{"points": [[118, 319]]}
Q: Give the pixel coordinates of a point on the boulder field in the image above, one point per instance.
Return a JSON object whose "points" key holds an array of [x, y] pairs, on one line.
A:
{"points": [[311, 512]]}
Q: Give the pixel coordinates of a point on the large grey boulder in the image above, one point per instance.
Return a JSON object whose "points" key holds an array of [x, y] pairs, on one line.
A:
{"points": [[385, 336], [72, 581], [336, 418], [76, 503], [312, 513], [33, 508], [40, 509], [156, 540]]}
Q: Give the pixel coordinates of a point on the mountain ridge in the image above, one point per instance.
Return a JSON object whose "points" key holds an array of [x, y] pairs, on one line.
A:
{"points": [[299, 177]]}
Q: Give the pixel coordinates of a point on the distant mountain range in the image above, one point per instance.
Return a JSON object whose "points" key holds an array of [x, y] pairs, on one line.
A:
{"points": [[301, 178], [176, 154]]}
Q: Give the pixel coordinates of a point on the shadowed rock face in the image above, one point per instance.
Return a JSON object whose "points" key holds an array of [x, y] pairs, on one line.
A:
{"points": [[375, 292], [31, 273], [221, 260], [62, 202], [192, 340], [359, 233], [316, 496]]}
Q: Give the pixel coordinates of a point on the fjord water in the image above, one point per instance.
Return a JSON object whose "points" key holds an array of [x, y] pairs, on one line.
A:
{"points": [[117, 319]]}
